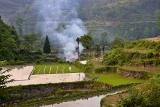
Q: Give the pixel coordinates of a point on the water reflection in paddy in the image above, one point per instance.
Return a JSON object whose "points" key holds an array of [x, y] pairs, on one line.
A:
{"points": [[90, 102]]}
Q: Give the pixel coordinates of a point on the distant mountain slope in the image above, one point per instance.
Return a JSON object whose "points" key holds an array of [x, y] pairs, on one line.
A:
{"points": [[119, 9], [9, 8], [128, 18]]}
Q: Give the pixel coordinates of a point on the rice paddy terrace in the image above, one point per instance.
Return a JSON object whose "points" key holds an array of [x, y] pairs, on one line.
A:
{"points": [[55, 69]]}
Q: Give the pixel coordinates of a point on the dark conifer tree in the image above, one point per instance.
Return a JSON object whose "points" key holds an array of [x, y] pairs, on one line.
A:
{"points": [[47, 47], [77, 49]]}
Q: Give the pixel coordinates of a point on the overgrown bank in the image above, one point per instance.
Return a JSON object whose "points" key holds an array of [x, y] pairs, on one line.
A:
{"points": [[144, 95], [136, 59]]}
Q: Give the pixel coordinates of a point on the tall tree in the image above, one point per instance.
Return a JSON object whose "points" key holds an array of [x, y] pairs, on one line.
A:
{"points": [[104, 41], [98, 50], [8, 41], [47, 47], [117, 43], [158, 23], [87, 42], [77, 49], [20, 25], [31, 41]]}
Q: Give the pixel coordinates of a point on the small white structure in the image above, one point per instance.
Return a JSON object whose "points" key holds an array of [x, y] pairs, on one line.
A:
{"points": [[83, 62]]}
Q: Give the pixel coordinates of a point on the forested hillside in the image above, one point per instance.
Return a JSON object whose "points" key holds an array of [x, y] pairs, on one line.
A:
{"points": [[16, 49], [127, 18], [8, 41]]}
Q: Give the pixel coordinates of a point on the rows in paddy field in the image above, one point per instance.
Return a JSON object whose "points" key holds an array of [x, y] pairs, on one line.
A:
{"points": [[54, 69]]}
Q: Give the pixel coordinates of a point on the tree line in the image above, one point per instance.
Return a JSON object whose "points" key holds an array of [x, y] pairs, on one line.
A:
{"points": [[15, 47]]}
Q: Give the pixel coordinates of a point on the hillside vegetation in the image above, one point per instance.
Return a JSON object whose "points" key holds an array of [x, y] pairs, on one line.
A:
{"points": [[137, 59], [17, 49], [8, 41], [145, 51]]}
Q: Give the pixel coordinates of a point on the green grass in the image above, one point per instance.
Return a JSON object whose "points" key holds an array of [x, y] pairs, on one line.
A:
{"points": [[55, 69], [116, 79]]}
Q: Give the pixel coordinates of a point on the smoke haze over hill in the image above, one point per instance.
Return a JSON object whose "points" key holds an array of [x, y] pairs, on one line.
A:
{"points": [[59, 20]]}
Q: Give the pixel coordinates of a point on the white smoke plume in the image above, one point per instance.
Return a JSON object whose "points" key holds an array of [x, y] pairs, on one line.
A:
{"points": [[59, 20]]}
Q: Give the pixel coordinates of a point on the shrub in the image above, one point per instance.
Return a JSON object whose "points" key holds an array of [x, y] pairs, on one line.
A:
{"points": [[3, 81], [88, 67], [115, 57], [146, 96], [2, 63], [136, 99], [118, 43], [85, 68]]}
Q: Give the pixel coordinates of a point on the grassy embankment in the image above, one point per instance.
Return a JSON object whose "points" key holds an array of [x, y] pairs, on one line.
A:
{"points": [[108, 74], [116, 79]]}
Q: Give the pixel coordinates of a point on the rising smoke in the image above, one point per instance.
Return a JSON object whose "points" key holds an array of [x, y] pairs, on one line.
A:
{"points": [[59, 20]]}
